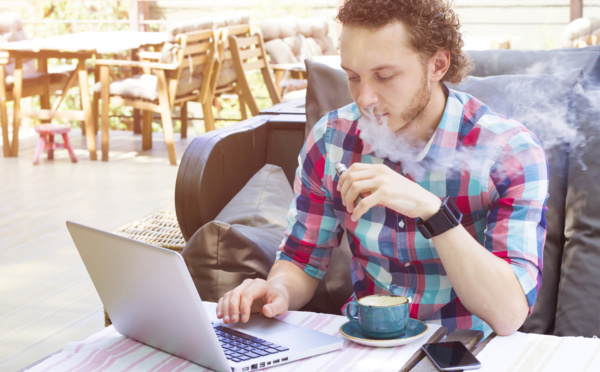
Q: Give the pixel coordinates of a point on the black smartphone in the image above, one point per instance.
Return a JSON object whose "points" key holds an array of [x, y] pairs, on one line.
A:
{"points": [[451, 356]]}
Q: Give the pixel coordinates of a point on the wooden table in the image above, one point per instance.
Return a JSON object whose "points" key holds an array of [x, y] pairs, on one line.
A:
{"points": [[80, 47]]}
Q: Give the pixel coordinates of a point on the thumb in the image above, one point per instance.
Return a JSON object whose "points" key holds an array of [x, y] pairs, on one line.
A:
{"points": [[276, 306]]}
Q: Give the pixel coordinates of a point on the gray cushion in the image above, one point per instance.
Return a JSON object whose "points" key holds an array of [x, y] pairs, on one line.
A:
{"points": [[261, 202], [168, 52], [278, 28], [227, 74], [30, 79], [527, 98], [541, 103], [327, 90], [137, 86], [578, 309], [207, 23], [146, 86], [11, 27], [220, 256], [279, 52], [292, 40], [241, 242], [504, 62], [315, 27]]}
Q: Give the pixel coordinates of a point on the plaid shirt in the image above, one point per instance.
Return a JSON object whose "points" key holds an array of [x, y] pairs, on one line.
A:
{"points": [[501, 189]]}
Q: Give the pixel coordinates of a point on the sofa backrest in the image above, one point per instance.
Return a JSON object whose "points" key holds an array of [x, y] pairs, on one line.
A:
{"points": [[556, 94], [510, 62], [291, 39]]}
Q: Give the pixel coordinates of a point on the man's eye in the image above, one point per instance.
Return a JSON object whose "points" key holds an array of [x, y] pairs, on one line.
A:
{"points": [[384, 77], [353, 78]]}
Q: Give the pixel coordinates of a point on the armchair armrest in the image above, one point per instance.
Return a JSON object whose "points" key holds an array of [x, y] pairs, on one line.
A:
{"points": [[140, 64], [216, 165]]}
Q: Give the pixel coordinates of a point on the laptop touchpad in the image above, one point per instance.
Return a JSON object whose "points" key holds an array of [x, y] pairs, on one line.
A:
{"points": [[262, 326]]}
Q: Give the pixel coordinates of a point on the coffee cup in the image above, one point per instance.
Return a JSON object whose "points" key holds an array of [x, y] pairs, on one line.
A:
{"points": [[380, 316]]}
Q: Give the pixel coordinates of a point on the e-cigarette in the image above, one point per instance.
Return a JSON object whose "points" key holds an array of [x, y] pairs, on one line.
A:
{"points": [[341, 168]]}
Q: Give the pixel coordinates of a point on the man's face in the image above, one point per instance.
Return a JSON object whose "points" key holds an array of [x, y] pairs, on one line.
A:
{"points": [[386, 75]]}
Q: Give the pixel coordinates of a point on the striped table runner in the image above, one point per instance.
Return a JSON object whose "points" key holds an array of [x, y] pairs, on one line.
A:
{"points": [[108, 350], [531, 352]]}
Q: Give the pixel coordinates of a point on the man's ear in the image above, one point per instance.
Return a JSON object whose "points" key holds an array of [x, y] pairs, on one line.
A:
{"points": [[439, 63]]}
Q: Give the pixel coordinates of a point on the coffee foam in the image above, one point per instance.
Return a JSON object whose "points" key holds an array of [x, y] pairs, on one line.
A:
{"points": [[382, 300]]}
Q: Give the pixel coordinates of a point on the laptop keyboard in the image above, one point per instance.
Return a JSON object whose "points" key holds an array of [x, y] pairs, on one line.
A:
{"points": [[239, 346]]}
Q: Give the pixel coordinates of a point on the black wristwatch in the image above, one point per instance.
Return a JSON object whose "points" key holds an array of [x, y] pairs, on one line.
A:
{"points": [[447, 217]]}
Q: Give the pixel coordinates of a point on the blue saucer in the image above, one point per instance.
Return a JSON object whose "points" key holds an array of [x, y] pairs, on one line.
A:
{"points": [[414, 329]]}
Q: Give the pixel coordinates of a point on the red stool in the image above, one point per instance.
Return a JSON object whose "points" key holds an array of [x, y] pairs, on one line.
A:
{"points": [[46, 141]]}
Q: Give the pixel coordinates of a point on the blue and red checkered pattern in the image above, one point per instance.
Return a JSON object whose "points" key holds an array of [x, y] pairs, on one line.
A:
{"points": [[493, 168]]}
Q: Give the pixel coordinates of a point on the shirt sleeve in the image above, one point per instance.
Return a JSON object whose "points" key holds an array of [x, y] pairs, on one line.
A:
{"points": [[516, 225], [313, 230]]}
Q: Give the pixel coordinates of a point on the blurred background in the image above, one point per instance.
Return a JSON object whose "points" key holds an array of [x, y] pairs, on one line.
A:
{"points": [[527, 24]]}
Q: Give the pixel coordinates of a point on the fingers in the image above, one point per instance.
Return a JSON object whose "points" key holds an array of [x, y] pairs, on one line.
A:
{"points": [[361, 208], [251, 296], [237, 303], [356, 183]]}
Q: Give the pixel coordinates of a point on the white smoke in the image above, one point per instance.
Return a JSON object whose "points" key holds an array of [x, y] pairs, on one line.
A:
{"points": [[384, 142], [410, 152], [550, 120]]}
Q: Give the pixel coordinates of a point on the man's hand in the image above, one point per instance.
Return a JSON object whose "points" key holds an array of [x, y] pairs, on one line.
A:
{"points": [[380, 185], [286, 288], [252, 296]]}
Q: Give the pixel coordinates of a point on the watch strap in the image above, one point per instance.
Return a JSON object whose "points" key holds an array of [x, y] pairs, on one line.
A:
{"points": [[447, 217]]}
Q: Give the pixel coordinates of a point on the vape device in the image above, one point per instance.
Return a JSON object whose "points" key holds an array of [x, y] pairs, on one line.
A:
{"points": [[341, 168]]}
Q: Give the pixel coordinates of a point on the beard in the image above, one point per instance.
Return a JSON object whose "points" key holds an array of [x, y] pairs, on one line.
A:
{"points": [[400, 145]]}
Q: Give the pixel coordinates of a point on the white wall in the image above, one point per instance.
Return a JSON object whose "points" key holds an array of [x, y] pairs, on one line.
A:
{"points": [[528, 24]]}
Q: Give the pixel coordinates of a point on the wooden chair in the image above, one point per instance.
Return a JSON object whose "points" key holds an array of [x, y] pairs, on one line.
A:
{"points": [[34, 84], [248, 53], [228, 80], [184, 71]]}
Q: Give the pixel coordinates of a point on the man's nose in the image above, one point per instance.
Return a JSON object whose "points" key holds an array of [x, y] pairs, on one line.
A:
{"points": [[366, 96]]}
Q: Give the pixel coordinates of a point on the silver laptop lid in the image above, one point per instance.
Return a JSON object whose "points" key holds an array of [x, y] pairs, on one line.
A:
{"points": [[151, 297], [142, 290]]}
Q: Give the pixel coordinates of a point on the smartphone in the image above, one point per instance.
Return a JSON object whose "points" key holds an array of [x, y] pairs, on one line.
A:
{"points": [[451, 356]]}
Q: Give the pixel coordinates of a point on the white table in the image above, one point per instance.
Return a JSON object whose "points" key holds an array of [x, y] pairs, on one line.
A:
{"points": [[109, 350]]}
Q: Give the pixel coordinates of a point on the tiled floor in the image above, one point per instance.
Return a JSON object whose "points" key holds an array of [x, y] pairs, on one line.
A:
{"points": [[46, 296]]}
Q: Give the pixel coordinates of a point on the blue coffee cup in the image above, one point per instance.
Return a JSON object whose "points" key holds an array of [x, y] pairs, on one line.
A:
{"points": [[380, 316]]}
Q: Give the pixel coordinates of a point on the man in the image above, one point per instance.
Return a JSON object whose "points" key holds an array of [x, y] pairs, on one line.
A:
{"points": [[452, 196]]}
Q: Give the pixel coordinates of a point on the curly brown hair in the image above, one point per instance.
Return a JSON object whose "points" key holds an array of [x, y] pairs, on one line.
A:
{"points": [[431, 26]]}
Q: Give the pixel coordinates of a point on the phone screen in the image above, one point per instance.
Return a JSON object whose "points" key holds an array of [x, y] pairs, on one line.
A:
{"points": [[450, 356]]}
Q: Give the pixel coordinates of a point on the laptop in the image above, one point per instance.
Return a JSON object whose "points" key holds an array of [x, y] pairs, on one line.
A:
{"points": [[150, 297]]}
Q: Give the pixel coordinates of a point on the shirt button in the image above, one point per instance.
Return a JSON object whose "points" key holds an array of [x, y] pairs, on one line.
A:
{"points": [[401, 224]]}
